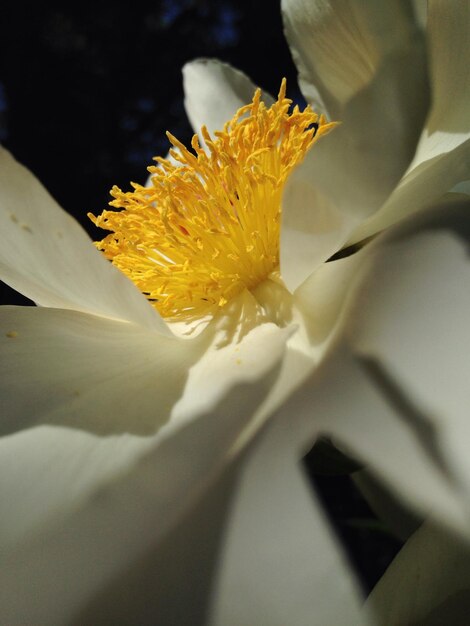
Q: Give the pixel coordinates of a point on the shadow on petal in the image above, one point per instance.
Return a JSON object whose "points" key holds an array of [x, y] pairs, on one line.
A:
{"points": [[84, 372], [182, 566]]}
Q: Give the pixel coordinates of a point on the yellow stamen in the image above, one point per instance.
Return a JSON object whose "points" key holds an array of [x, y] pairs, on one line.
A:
{"points": [[208, 227]]}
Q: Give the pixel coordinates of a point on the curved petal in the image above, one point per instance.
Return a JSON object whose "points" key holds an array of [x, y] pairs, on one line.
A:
{"points": [[442, 159], [393, 388], [237, 345], [280, 563], [323, 296], [312, 228], [254, 550], [51, 577], [448, 124], [367, 61], [338, 46], [82, 397], [182, 564], [86, 372], [427, 583], [342, 401], [48, 257], [314, 313], [410, 325], [410, 343], [420, 188], [214, 92]]}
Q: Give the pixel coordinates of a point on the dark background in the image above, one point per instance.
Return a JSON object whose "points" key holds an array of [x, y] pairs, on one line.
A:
{"points": [[86, 95]]}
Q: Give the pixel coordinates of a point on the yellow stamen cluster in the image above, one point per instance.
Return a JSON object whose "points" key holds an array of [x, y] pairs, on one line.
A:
{"points": [[208, 227]]}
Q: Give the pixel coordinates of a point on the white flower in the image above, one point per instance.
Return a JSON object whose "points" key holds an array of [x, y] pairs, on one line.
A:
{"points": [[147, 478]]}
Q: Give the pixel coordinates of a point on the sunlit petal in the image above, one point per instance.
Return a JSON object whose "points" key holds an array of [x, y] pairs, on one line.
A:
{"points": [[214, 92], [367, 61], [409, 327], [313, 227], [442, 158], [82, 398], [48, 257], [70, 560], [279, 563]]}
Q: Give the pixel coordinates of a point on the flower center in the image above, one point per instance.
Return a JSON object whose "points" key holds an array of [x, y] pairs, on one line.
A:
{"points": [[208, 227]]}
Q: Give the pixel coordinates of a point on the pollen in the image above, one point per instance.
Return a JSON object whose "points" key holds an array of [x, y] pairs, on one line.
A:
{"points": [[207, 227]]}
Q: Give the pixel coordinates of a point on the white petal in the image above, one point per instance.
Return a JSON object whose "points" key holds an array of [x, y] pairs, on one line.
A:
{"points": [[322, 297], [214, 92], [254, 550], [102, 392], [82, 397], [338, 47], [314, 312], [419, 189], [344, 402], [427, 583], [48, 257], [442, 159], [367, 61], [51, 578], [312, 228], [412, 323], [46, 471], [181, 565], [276, 554], [408, 330], [393, 391], [279, 563], [448, 124], [241, 344]]}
